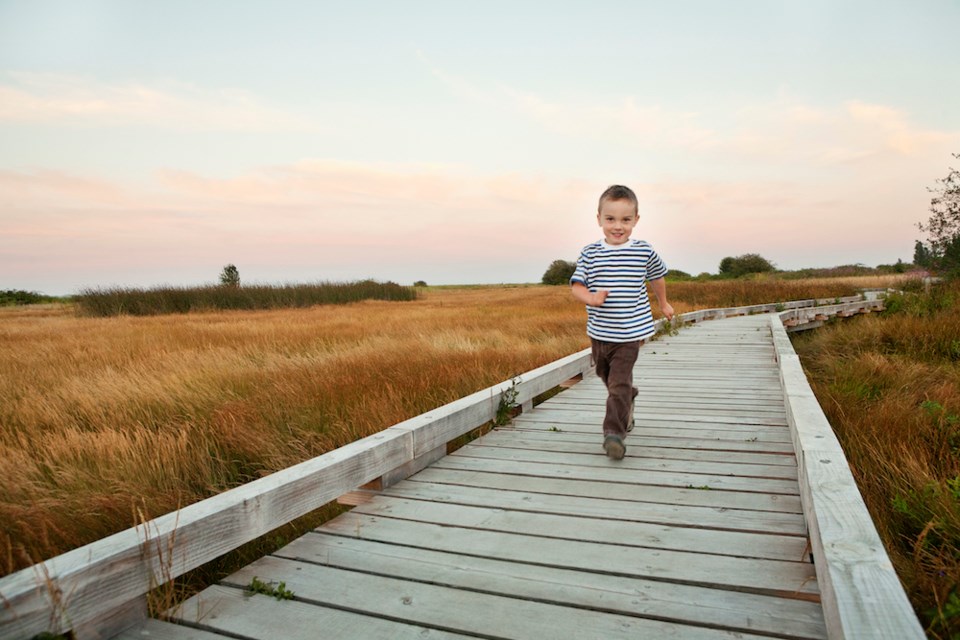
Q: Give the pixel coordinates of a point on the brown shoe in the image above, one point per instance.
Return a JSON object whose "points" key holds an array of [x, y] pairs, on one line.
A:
{"points": [[614, 447]]}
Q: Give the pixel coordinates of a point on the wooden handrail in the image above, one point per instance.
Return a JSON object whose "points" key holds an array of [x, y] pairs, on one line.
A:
{"points": [[860, 592]]}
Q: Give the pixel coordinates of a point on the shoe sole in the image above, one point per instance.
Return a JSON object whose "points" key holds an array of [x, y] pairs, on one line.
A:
{"points": [[614, 449]]}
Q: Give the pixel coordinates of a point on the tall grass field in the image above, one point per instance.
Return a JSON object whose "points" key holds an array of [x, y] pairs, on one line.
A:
{"points": [[109, 420]]}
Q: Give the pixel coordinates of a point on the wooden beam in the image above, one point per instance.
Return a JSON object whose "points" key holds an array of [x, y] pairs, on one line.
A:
{"points": [[861, 594]]}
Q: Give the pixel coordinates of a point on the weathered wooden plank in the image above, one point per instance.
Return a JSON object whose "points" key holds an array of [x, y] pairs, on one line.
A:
{"points": [[563, 442], [730, 610], [690, 387], [692, 406], [599, 398], [595, 458], [596, 415], [230, 610], [643, 436], [614, 473], [669, 429], [152, 629], [457, 610], [717, 499], [771, 577], [785, 541]]}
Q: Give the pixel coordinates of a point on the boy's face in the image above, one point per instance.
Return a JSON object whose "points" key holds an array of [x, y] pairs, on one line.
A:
{"points": [[617, 218]]}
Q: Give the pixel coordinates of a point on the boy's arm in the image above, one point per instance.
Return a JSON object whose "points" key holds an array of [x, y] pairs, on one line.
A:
{"points": [[659, 288], [587, 297]]}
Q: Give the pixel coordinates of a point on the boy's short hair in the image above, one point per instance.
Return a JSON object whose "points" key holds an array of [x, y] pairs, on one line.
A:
{"points": [[619, 192]]}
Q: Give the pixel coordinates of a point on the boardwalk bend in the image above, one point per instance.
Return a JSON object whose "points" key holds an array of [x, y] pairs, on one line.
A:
{"points": [[733, 515]]}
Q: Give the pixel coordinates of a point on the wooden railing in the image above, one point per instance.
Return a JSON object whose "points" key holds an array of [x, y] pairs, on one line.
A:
{"points": [[100, 589], [860, 592]]}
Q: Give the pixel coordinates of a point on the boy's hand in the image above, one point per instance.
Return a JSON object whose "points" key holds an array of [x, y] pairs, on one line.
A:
{"points": [[667, 310], [598, 298], [587, 297]]}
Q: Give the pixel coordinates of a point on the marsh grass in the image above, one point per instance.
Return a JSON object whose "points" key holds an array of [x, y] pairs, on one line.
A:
{"points": [[890, 386], [107, 422], [162, 300]]}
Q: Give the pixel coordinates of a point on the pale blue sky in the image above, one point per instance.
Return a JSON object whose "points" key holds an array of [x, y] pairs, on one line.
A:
{"points": [[152, 143]]}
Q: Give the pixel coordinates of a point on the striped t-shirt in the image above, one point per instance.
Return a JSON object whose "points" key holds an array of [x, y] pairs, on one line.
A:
{"points": [[623, 270]]}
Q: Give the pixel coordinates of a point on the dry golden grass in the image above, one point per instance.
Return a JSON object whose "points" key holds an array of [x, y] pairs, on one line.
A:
{"points": [[106, 421], [104, 415]]}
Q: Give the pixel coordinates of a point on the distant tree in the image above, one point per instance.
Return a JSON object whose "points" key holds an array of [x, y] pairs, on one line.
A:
{"points": [[420, 283], [559, 272], [676, 274], [745, 264], [19, 296], [943, 226], [921, 254], [230, 276], [898, 267]]}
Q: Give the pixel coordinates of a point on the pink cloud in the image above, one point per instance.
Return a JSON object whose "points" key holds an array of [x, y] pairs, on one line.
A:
{"points": [[69, 100]]}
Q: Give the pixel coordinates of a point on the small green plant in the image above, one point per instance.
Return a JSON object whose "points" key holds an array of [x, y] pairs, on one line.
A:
{"points": [[280, 591], [671, 327], [508, 402], [780, 307], [556, 429], [945, 617], [702, 487]]}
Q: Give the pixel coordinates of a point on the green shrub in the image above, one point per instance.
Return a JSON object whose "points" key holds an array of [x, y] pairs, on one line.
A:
{"points": [[746, 264], [559, 272], [18, 296]]}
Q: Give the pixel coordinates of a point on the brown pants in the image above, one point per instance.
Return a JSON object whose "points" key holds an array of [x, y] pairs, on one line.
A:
{"points": [[615, 362]]}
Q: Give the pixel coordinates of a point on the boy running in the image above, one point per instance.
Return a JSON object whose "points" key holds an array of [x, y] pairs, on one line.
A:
{"points": [[611, 279]]}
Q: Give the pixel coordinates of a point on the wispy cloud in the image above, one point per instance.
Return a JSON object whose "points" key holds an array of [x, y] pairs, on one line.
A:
{"points": [[784, 130], [70, 100]]}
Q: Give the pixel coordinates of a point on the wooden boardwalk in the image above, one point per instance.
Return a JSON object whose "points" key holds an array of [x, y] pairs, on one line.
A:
{"points": [[532, 532], [733, 515]]}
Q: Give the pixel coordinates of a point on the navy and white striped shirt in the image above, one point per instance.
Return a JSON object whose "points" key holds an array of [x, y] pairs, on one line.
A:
{"points": [[623, 270]]}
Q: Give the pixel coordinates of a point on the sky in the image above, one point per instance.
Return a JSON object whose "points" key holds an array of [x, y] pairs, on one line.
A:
{"points": [[152, 143]]}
